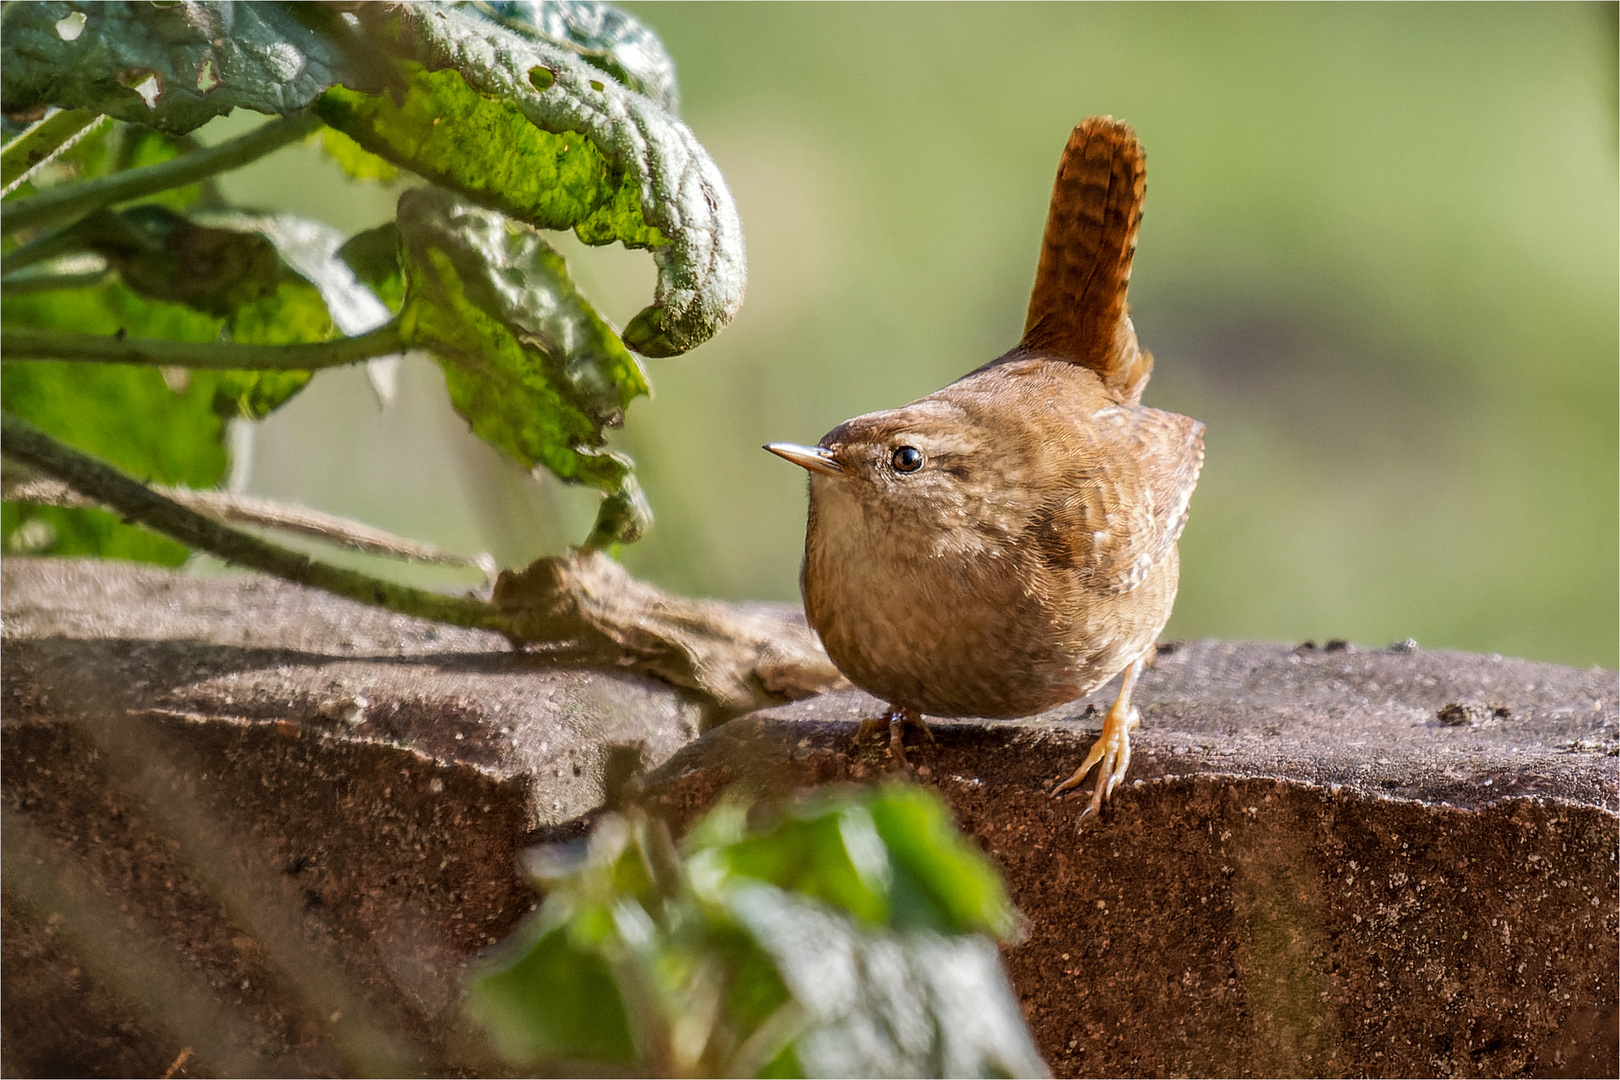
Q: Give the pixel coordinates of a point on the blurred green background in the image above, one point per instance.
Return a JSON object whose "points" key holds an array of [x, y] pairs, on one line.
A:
{"points": [[1379, 261]]}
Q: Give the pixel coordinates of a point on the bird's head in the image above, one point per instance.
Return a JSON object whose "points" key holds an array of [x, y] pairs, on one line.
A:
{"points": [[921, 467]]}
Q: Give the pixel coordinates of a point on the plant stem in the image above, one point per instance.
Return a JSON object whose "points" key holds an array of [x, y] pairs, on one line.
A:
{"points": [[26, 344], [42, 142], [66, 201], [139, 503], [70, 239], [242, 509], [23, 286]]}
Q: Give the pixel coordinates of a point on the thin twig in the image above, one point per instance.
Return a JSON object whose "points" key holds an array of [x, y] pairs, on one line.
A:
{"points": [[28, 344], [266, 513], [138, 503], [65, 201]]}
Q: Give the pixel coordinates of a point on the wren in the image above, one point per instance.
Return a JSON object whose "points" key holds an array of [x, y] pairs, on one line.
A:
{"points": [[1008, 543]]}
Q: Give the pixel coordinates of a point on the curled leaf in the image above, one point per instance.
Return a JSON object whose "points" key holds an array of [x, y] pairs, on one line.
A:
{"points": [[677, 188], [528, 362], [485, 148], [174, 66], [605, 37]]}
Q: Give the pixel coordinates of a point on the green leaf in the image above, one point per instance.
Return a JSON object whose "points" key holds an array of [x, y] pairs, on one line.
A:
{"points": [[309, 251], [676, 186], [42, 142], [942, 881], [51, 530], [273, 279], [108, 309], [543, 998], [373, 257], [605, 37], [316, 297], [356, 160], [174, 66], [912, 1003], [894, 858], [164, 256], [528, 362], [828, 852], [754, 990], [749, 958], [135, 146], [486, 149], [125, 414], [234, 275], [90, 154], [263, 280]]}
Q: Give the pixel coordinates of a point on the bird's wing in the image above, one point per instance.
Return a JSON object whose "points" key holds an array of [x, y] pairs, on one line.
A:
{"points": [[1121, 511]]}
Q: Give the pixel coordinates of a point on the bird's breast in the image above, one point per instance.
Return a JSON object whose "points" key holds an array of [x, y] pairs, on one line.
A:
{"points": [[955, 625]]}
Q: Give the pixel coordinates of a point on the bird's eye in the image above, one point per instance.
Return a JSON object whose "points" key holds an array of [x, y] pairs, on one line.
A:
{"points": [[907, 459]]}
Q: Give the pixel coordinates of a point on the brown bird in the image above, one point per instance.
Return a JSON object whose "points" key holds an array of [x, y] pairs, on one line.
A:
{"points": [[1008, 543]]}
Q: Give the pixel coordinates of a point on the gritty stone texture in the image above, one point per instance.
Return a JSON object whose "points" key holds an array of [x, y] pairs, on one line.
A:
{"points": [[1309, 871], [211, 758], [271, 826]]}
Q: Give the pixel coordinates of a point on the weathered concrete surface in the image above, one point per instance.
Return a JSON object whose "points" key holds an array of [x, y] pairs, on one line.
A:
{"points": [[1308, 872], [271, 825], [252, 779]]}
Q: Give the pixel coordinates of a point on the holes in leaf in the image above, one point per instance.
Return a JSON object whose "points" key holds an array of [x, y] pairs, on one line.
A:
{"points": [[70, 26], [146, 83], [541, 78], [32, 535], [597, 86]]}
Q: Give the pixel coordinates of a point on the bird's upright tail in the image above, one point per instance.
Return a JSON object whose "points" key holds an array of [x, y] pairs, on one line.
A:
{"points": [[1077, 310]]}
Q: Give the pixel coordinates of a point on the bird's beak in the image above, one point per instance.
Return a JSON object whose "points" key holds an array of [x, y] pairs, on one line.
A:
{"points": [[815, 458]]}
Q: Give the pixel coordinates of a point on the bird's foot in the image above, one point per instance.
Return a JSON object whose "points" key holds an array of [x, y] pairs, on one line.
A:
{"points": [[896, 722], [1111, 751]]}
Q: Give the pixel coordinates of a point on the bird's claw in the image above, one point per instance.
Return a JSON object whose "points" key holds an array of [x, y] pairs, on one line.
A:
{"points": [[1112, 752], [896, 721]]}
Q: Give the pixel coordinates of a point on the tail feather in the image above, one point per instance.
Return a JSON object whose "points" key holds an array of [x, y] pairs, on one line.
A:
{"points": [[1077, 310]]}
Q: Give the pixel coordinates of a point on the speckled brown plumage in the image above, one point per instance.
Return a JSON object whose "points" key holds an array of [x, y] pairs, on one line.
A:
{"points": [[1008, 543]]}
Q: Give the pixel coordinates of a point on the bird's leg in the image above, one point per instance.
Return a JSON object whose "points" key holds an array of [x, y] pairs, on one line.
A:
{"points": [[896, 721], [1112, 750]]}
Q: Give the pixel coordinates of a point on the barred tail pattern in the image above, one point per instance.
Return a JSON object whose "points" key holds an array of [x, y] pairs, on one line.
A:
{"points": [[1077, 310]]}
